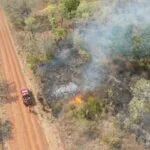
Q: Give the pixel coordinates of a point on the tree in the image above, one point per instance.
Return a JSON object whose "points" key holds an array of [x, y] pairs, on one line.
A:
{"points": [[93, 108], [84, 10], [140, 103], [31, 24], [53, 21], [90, 110], [5, 125], [69, 7], [17, 10], [136, 46], [5, 130], [58, 35]]}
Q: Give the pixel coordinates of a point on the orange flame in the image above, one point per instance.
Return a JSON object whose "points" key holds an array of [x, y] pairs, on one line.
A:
{"points": [[77, 100]]}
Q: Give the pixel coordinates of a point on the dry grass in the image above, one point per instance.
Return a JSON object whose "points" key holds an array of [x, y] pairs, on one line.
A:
{"points": [[130, 143]]}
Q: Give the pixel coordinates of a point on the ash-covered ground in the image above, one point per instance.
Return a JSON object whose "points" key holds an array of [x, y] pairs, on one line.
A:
{"points": [[63, 76]]}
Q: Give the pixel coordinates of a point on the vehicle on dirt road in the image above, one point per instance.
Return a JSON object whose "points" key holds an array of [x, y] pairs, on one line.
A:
{"points": [[26, 97]]}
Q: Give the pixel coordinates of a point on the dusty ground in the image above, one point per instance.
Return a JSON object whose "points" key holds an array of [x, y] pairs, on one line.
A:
{"points": [[27, 132]]}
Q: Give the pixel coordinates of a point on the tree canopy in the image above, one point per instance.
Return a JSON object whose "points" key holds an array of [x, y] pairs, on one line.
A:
{"points": [[69, 7]]}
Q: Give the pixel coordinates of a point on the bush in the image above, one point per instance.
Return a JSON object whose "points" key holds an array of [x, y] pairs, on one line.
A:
{"points": [[59, 33], [90, 110], [17, 10], [85, 56], [5, 130], [69, 7], [31, 24], [137, 108], [35, 49], [93, 108], [84, 10], [42, 22], [112, 139], [49, 49], [50, 8], [56, 109], [33, 61], [112, 135], [140, 103]]}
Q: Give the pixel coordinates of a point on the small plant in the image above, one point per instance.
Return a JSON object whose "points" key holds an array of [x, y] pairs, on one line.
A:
{"points": [[33, 61], [59, 33], [110, 92], [31, 24], [56, 109], [84, 10], [69, 8], [112, 135], [86, 57], [93, 108], [90, 109], [48, 9], [112, 140], [5, 130], [17, 11]]}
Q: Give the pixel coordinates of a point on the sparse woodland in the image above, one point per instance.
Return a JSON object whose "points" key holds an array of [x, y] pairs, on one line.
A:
{"points": [[91, 60], [5, 124]]}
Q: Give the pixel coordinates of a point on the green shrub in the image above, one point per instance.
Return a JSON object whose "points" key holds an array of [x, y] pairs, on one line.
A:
{"points": [[17, 11], [84, 9], [136, 108], [139, 103], [69, 7], [90, 110], [112, 135], [31, 24], [18, 23], [59, 33], [78, 113], [5, 130], [36, 50], [49, 49], [56, 109], [33, 61], [112, 140], [85, 56], [93, 108]]}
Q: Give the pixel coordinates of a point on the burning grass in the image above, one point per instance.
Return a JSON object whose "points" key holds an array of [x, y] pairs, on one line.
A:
{"points": [[88, 108]]}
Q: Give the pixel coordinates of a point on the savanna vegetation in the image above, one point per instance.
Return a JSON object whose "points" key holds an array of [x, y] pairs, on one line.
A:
{"points": [[5, 124], [115, 114]]}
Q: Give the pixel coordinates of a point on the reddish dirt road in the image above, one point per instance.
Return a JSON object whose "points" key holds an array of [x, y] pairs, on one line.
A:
{"points": [[27, 132]]}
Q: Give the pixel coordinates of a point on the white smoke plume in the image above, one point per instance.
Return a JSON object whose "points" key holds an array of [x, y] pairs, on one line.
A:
{"points": [[108, 33]]}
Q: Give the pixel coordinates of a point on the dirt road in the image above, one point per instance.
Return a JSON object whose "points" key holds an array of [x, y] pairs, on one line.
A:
{"points": [[27, 132]]}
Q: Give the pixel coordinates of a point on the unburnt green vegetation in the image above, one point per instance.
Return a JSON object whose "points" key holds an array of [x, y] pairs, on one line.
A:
{"points": [[71, 44]]}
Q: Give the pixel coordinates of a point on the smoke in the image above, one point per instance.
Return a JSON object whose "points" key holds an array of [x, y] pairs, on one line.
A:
{"points": [[104, 35], [109, 32], [64, 90]]}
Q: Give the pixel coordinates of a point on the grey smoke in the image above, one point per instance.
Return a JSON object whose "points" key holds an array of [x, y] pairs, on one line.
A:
{"points": [[64, 90], [103, 36], [107, 34]]}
